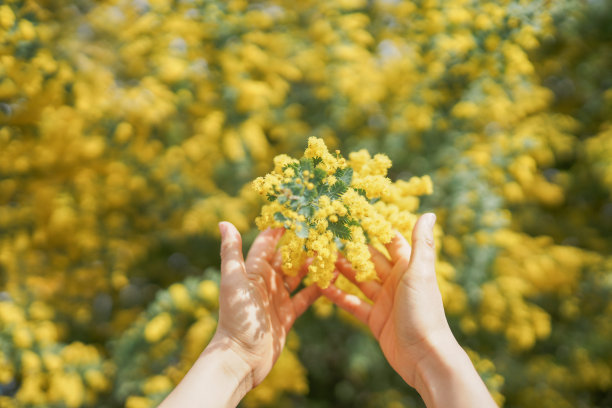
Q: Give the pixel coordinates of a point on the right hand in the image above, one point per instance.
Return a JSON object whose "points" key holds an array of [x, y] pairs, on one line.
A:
{"points": [[407, 315]]}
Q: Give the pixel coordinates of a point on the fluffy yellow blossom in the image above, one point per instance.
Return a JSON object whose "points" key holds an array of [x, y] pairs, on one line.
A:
{"points": [[96, 380], [327, 203], [209, 292], [157, 385], [317, 148], [22, 337], [138, 147], [158, 327], [139, 402], [7, 17], [180, 296], [292, 252]]}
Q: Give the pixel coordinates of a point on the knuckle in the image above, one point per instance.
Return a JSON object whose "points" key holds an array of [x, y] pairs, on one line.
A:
{"points": [[229, 245], [428, 242]]}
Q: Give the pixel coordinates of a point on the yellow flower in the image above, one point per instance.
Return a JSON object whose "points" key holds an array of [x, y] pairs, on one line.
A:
{"points": [[180, 296], [353, 199], [96, 380], [158, 327], [138, 402], [209, 292], [292, 252], [7, 17], [30, 362], [157, 384], [22, 337]]}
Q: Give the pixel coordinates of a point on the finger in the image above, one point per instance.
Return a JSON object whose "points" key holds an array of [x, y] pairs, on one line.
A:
{"points": [[369, 288], [277, 292], [294, 281], [304, 298], [264, 246], [399, 249], [423, 258], [277, 261], [381, 263], [351, 303], [232, 262]]}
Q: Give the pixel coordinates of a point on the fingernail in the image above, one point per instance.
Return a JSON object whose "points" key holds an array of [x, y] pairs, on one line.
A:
{"points": [[222, 229], [430, 219]]}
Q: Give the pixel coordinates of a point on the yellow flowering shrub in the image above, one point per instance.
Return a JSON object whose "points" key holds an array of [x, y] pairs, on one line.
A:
{"points": [[129, 129], [328, 203], [161, 346], [37, 369]]}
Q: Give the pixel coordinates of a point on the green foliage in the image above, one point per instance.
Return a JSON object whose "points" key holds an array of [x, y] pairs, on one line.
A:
{"points": [[129, 129], [301, 194]]}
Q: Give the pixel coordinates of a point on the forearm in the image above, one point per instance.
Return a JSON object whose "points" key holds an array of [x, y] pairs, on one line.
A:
{"points": [[447, 378], [218, 379]]}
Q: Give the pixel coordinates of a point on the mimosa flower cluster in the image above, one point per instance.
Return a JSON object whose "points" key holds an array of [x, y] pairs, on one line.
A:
{"points": [[129, 129], [328, 204]]}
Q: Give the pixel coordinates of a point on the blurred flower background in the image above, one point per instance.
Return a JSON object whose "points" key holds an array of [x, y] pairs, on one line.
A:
{"points": [[129, 128]]}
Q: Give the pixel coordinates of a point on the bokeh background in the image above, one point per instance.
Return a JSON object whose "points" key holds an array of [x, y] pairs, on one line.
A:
{"points": [[129, 128]]}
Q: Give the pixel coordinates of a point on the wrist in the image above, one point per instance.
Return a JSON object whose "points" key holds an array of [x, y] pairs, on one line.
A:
{"points": [[221, 352], [442, 360], [446, 377], [219, 378]]}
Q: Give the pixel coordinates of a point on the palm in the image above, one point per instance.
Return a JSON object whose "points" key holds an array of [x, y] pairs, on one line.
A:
{"points": [[256, 310], [397, 320], [406, 304]]}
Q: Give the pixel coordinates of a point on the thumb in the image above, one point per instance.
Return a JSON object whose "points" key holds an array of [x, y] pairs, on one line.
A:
{"points": [[232, 261], [423, 256]]}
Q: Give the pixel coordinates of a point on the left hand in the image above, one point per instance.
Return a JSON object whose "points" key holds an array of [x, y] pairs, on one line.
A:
{"points": [[256, 310]]}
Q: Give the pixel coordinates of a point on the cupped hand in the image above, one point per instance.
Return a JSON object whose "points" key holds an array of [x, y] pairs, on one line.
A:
{"points": [[256, 310], [406, 314]]}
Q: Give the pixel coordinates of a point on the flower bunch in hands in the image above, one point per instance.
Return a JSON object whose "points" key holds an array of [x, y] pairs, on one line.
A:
{"points": [[327, 203], [326, 207], [404, 312]]}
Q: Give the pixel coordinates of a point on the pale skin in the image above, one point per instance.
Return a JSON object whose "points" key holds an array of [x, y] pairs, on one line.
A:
{"points": [[406, 316], [256, 311]]}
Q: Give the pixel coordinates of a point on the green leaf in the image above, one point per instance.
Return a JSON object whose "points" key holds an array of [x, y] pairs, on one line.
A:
{"points": [[316, 161], [336, 190], [294, 166], [296, 189], [361, 192], [310, 195], [306, 165], [271, 197], [280, 217], [319, 175], [323, 189], [303, 231], [339, 244], [367, 236], [307, 211], [345, 175], [340, 230], [351, 222]]}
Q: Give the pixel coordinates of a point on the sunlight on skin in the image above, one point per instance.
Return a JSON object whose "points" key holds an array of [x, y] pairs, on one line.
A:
{"points": [[407, 317], [256, 311], [405, 314]]}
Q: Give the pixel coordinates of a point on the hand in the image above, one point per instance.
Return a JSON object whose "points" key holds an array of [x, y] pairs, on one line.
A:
{"points": [[407, 317], [256, 310], [407, 314]]}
